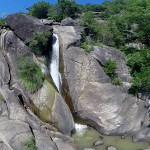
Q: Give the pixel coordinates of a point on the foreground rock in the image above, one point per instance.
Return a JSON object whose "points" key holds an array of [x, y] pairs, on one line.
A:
{"points": [[111, 113], [111, 148], [25, 26]]}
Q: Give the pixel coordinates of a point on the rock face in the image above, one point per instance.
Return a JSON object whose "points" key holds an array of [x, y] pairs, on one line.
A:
{"points": [[18, 124], [111, 112], [105, 53], [52, 108], [107, 107], [67, 22], [24, 26]]}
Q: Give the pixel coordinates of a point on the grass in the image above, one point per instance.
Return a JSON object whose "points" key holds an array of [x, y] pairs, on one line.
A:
{"points": [[30, 144], [30, 74]]}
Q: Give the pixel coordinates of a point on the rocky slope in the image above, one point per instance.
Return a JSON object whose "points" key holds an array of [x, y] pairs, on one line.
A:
{"points": [[44, 114]]}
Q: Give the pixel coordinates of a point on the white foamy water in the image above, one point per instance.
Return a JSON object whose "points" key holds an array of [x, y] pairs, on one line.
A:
{"points": [[54, 64], [80, 129]]}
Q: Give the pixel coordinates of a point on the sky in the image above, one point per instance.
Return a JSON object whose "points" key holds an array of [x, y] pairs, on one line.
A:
{"points": [[13, 6]]}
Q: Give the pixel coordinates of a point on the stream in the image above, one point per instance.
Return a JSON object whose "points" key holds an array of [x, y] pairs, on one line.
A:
{"points": [[86, 136]]}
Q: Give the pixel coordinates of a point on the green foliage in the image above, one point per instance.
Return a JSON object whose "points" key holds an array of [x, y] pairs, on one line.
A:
{"points": [[110, 67], [63, 9], [2, 22], [87, 47], [140, 70], [117, 81], [40, 9], [1, 97], [30, 74], [40, 42], [30, 144]]}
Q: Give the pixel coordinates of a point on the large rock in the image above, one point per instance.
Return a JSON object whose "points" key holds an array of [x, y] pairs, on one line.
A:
{"points": [[52, 108], [24, 26], [102, 55], [43, 142], [110, 109], [14, 133], [62, 145], [69, 35], [80, 69], [67, 22]]}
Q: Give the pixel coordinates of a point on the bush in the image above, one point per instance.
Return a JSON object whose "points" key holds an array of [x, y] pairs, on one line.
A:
{"points": [[40, 10], [30, 74], [110, 68], [30, 144], [2, 22], [40, 42], [117, 81]]}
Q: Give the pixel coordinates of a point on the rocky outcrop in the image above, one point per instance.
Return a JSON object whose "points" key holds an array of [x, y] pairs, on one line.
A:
{"points": [[16, 104], [52, 108], [111, 113], [106, 107], [67, 22], [25, 26], [103, 54]]}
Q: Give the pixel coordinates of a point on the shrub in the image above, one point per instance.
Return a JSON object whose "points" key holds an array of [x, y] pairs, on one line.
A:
{"points": [[2, 22], [110, 67], [40, 42], [30, 74], [40, 9], [117, 81], [30, 144]]}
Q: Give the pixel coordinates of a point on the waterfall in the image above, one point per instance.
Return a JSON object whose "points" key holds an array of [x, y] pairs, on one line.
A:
{"points": [[54, 63]]}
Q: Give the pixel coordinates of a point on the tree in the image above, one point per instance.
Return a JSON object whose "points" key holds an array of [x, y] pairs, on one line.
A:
{"points": [[63, 9], [40, 9]]}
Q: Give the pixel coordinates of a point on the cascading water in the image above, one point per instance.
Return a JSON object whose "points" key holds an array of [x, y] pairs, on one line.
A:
{"points": [[54, 64]]}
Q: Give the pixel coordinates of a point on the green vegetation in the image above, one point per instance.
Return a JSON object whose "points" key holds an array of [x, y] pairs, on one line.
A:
{"points": [[110, 69], [40, 42], [115, 23], [2, 22], [30, 74], [1, 97], [30, 144], [40, 10]]}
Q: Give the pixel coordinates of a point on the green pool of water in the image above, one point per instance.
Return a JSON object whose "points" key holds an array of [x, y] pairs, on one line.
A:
{"points": [[87, 137]]}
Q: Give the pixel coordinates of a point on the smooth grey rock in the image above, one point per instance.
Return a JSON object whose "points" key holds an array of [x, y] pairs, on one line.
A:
{"points": [[3, 146], [43, 142], [67, 22], [24, 26], [143, 135], [111, 148], [3, 110], [97, 143], [52, 108], [88, 149], [102, 55], [80, 69], [14, 45], [62, 145], [62, 116], [69, 35], [110, 109], [147, 148], [4, 70], [14, 133]]}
